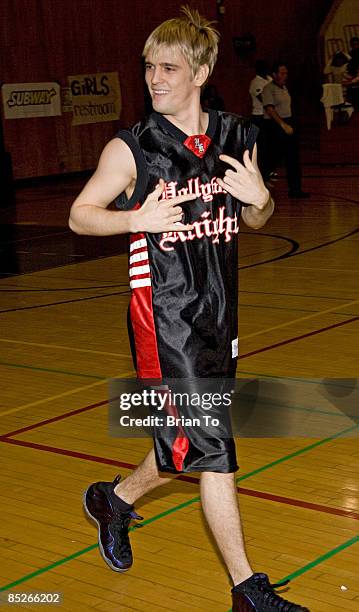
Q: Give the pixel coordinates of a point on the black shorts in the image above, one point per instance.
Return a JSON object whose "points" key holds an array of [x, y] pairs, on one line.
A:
{"points": [[193, 431]]}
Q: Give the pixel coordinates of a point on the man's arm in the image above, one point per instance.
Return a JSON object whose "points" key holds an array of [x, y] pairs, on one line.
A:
{"points": [[254, 216], [245, 183], [116, 172], [269, 107], [270, 110]]}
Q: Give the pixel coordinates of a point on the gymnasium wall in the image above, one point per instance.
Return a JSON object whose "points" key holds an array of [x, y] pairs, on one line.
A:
{"points": [[48, 40]]}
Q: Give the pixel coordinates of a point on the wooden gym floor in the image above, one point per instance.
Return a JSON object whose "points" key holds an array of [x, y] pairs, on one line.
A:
{"points": [[63, 335]]}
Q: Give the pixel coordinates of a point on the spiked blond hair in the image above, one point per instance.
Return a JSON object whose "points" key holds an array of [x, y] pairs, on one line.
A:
{"points": [[192, 34]]}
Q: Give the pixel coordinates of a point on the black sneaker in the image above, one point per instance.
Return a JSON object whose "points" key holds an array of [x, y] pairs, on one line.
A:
{"points": [[256, 594], [105, 507]]}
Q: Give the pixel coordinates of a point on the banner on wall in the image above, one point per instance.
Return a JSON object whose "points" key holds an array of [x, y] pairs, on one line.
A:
{"points": [[26, 100], [95, 97]]}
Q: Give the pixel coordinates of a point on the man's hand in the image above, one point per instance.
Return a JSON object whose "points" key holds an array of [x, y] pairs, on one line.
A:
{"points": [[245, 182], [157, 215], [287, 128]]}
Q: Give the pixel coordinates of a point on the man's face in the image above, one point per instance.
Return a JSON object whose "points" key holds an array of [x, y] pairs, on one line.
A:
{"points": [[169, 81], [280, 77]]}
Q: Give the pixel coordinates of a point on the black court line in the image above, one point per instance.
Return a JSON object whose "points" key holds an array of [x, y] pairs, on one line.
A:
{"points": [[90, 297], [296, 338], [44, 290], [337, 197], [294, 251]]}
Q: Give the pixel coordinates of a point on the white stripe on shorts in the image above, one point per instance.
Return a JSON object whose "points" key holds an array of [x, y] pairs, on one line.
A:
{"points": [[138, 244], [139, 270], [139, 257], [140, 282]]}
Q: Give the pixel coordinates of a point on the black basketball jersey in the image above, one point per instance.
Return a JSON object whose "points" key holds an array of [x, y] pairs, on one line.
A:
{"points": [[185, 284]]}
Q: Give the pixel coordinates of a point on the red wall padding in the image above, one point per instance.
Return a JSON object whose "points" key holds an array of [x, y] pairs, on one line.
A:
{"points": [[47, 40]]}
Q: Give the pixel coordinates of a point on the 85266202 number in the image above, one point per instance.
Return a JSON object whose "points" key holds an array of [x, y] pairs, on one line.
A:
{"points": [[17, 598]]}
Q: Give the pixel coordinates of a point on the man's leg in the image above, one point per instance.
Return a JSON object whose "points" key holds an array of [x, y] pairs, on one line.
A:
{"points": [[110, 504], [252, 592], [220, 507], [144, 478], [292, 162]]}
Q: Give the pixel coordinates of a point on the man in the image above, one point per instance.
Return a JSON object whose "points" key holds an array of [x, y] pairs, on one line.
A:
{"points": [[181, 209], [281, 136], [256, 87]]}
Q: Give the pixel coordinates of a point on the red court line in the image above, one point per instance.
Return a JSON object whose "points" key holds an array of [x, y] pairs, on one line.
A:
{"points": [[283, 342], [250, 492], [301, 504], [67, 453], [261, 350], [54, 419]]}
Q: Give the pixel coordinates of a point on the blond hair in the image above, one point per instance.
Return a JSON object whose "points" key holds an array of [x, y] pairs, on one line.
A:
{"points": [[192, 34]]}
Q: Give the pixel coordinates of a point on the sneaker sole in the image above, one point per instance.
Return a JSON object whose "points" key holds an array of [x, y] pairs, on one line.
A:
{"points": [[115, 569]]}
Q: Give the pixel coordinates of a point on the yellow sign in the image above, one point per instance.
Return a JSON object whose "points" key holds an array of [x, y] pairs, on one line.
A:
{"points": [[24, 100], [95, 97]]}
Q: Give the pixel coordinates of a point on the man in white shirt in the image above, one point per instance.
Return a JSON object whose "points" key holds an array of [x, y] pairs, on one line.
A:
{"points": [[281, 135], [256, 87]]}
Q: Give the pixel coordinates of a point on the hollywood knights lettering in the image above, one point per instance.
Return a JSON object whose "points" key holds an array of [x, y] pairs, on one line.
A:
{"points": [[205, 227], [201, 190]]}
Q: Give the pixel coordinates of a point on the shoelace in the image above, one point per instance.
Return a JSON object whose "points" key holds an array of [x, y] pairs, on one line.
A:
{"points": [[275, 600], [120, 527]]}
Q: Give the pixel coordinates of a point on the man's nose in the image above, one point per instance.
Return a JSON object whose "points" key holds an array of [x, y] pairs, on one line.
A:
{"points": [[156, 75]]}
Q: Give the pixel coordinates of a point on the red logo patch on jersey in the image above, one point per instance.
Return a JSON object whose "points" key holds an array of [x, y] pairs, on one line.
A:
{"points": [[198, 144]]}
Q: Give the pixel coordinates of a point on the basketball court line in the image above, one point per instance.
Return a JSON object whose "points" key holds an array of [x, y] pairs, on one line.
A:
{"points": [[307, 381], [294, 252], [263, 331], [83, 299], [328, 555], [60, 395], [184, 477], [33, 238], [290, 340], [296, 295], [300, 319], [294, 309], [58, 289], [164, 514], [45, 400], [63, 347], [53, 419], [250, 354], [103, 402], [50, 370]]}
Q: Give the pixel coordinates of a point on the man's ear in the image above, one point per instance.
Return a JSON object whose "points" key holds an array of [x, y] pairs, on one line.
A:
{"points": [[202, 75]]}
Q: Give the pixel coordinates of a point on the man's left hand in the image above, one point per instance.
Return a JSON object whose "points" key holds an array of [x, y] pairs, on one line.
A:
{"points": [[245, 182]]}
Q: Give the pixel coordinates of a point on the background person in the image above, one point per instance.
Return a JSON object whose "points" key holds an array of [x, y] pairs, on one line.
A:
{"points": [[282, 141], [256, 87]]}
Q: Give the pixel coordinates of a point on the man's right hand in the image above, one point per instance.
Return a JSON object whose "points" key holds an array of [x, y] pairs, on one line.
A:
{"points": [[287, 128], [158, 216]]}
